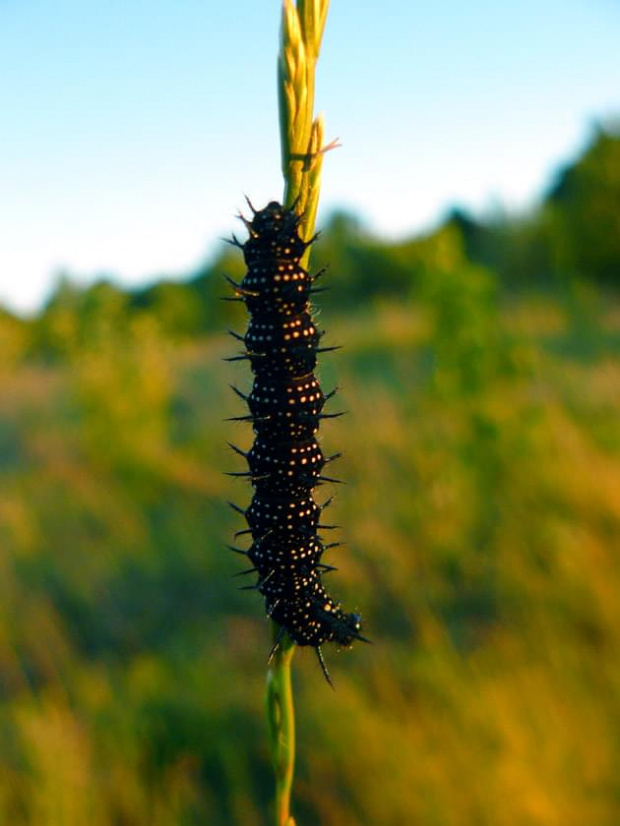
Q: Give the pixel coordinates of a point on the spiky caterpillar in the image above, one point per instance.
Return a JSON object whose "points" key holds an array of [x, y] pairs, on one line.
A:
{"points": [[286, 462]]}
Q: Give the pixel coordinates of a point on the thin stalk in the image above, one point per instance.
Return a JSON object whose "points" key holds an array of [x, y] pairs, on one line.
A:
{"points": [[301, 134], [302, 147], [281, 722]]}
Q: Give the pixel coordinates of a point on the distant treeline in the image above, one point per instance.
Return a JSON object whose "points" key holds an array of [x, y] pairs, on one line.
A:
{"points": [[573, 233]]}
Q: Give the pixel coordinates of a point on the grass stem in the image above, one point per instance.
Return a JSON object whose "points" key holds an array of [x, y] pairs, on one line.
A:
{"points": [[302, 147], [281, 721]]}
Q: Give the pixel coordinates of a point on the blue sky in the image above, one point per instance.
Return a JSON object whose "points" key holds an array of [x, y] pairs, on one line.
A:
{"points": [[130, 130]]}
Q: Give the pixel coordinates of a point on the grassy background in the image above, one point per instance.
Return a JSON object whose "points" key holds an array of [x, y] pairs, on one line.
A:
{"points": [[482, 516]]}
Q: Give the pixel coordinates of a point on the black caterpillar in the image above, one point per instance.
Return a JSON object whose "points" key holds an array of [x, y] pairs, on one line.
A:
{"points": [[286, 461]]}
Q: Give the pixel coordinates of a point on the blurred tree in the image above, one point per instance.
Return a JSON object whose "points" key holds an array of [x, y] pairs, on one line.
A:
{"points": [[363, 268], [209, 288], [177, 312], [584, 211], [14, 338], [76, 316]]}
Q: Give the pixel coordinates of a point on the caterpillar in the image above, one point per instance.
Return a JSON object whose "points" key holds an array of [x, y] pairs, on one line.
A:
{"points": [[286, 461]]}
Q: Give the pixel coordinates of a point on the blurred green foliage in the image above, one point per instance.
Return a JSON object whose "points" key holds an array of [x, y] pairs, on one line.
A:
{"points": [[482, 514], [584, 213]]}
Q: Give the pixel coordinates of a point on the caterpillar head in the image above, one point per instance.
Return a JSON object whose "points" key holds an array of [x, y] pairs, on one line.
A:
{"points": [[346, 628], [274, 234]]}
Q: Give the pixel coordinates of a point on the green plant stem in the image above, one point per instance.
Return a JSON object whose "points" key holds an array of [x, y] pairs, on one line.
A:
{"points": [[301, 139], [301, 135], [281, 721]]}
